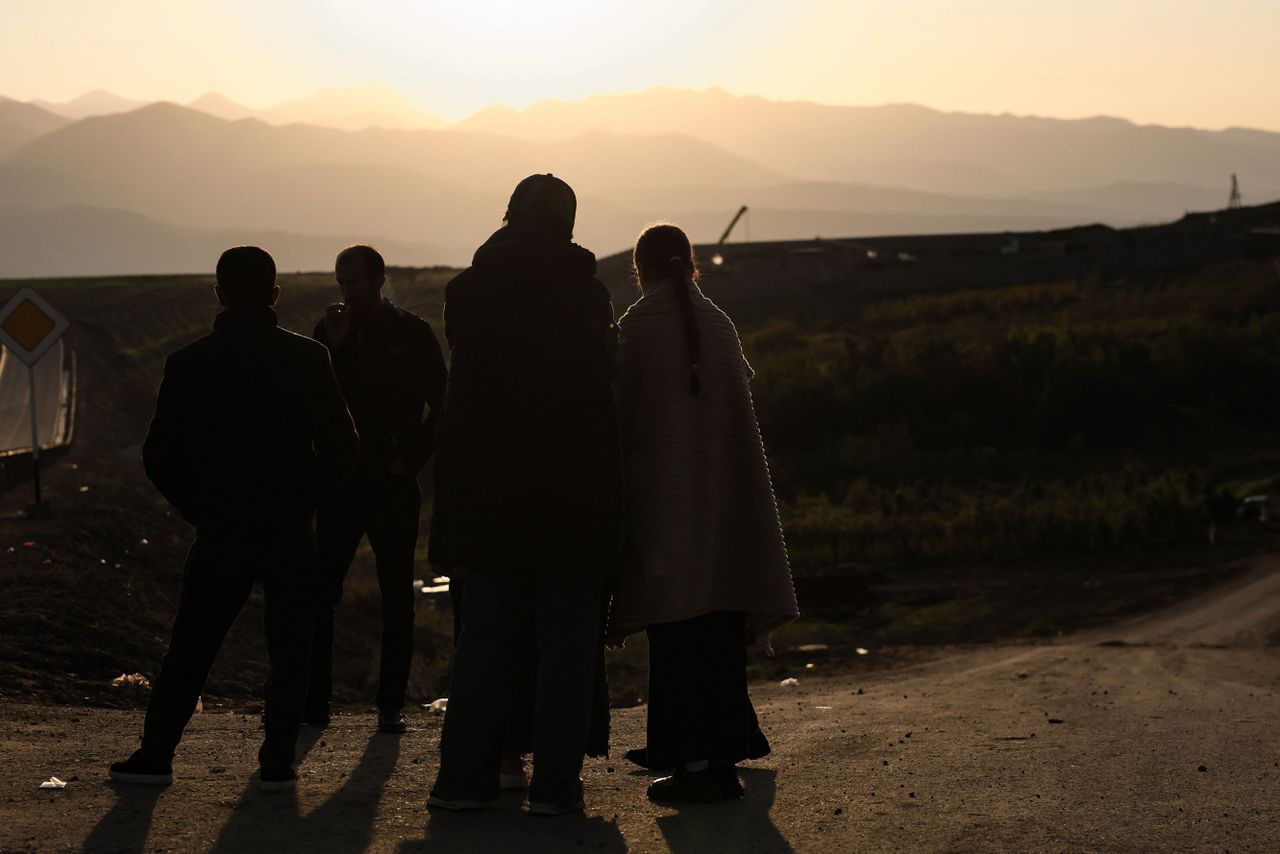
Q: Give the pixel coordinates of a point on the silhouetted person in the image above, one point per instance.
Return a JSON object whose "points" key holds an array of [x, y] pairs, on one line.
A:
{"points": [[391, 371], [527, 495], [250, 432], [705, 571]]}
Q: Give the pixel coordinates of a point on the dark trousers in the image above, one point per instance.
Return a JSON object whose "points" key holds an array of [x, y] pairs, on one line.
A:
{"points": [[518, 740], [386, 508], [698, 703], [216, 582], [504, 612]]}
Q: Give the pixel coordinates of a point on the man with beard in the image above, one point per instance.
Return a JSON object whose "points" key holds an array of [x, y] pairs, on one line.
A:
{"points": [[391, 371]]}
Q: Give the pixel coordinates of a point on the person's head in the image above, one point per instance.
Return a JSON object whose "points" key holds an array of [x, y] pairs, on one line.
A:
{"points": [[361, 273], [663, 252], [545, 203], [246, 278]]}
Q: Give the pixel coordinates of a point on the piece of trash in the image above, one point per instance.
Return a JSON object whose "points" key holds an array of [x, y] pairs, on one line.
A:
{"points": [[131, 680], [823, 708], [790, 682], [84, 489], [145, 541], [53, 783], [812, 647], [199, 705], [26, 544], [809, 666], [862, 650], [437, 705]]}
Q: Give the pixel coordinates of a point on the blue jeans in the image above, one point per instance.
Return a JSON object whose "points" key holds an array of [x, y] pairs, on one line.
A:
{"points": [[504, 612]]}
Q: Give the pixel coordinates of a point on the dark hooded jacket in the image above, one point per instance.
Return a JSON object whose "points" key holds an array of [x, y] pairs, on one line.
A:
{"points": [[528, 473], [250, 426]]}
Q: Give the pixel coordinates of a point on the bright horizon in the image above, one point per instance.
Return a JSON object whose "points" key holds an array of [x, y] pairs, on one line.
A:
{"points": [[1168, 63]]}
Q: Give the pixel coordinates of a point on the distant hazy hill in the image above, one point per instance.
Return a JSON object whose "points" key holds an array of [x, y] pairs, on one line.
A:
{"points": [[82, 241], [915, 147], [345, 108], [96, 103], [20, 123], [444, 187], [803, 169]]}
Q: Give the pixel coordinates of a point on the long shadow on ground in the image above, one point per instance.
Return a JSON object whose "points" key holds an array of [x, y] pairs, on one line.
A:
{"points": [[506, 828], [271, 821], [742, 825], [126, 825]]}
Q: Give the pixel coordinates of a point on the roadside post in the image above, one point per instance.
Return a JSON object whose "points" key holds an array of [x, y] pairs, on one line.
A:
{"points": [[29, 326]]}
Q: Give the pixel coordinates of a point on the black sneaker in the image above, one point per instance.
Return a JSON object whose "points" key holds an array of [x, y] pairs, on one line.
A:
{"points": [[138, 769], [391, 721], [638, 756], [458, 804], [316, 718], [552, 808], [277, 779], [687, 787], [730, 785]]}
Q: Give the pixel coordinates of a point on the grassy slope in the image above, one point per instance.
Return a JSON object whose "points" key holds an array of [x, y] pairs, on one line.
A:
{"points": [[910, 431]]}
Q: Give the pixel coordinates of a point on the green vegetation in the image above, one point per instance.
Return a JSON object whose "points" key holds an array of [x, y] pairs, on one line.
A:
{"points": [[1061, 419]]}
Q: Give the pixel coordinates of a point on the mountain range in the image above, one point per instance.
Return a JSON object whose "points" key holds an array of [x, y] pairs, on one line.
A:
{"points": [[101, 184]]}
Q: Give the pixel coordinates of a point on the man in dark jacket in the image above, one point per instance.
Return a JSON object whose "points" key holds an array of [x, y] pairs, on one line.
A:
{"points": [[250, 431], [390, 368], [527, 495]]}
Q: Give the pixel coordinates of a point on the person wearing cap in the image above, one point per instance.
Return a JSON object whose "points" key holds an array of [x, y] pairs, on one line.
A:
{"points": [[250, 434], [392, 374], [528, 496]]}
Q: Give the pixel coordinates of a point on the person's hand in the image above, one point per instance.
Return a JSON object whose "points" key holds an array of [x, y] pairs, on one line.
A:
{"points": [[337, 323]]}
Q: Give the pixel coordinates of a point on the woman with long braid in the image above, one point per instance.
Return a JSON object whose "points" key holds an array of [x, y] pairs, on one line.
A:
{"points": [[705, 573]]}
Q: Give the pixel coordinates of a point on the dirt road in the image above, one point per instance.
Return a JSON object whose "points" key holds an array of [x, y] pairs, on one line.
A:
{"points": [[1159, 734]]}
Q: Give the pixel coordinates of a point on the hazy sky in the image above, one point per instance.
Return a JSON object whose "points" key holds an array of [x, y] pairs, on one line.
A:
{"points": [[1181, 62]]}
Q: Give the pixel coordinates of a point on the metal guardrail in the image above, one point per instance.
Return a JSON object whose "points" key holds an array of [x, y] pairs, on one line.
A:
{"points": [[15, 464]]}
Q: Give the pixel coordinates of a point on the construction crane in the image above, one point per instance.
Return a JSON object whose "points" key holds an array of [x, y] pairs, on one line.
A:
{"points": [[1234, 203], [717, 259]]}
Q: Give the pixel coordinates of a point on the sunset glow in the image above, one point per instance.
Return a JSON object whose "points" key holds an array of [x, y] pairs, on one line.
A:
{"points": [[1206, 65]]}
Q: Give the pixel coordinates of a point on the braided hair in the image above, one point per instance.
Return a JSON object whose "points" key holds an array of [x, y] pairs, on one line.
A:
{"points": [[663, 251]]}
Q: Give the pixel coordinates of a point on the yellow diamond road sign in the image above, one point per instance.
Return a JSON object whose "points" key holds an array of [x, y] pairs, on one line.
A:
{"points": [[29, 326]]}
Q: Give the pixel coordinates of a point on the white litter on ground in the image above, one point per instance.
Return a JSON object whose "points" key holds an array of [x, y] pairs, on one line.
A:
{"points": [[53, 783], [437, 705], [790, 682]]}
